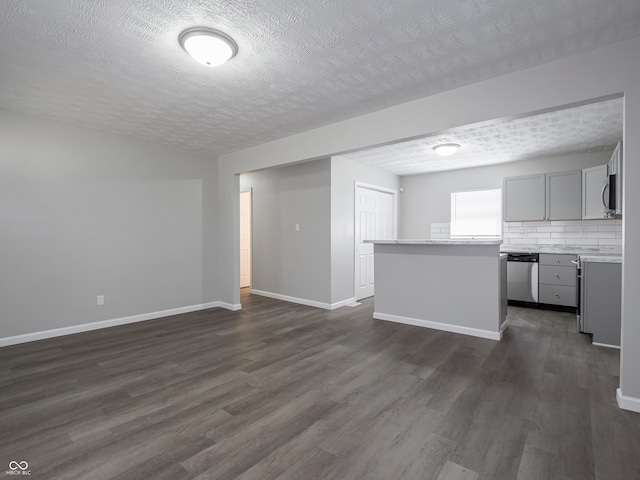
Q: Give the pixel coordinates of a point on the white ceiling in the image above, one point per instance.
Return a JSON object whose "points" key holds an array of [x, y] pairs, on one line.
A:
{"points": [[116, 65], [587, 128]]}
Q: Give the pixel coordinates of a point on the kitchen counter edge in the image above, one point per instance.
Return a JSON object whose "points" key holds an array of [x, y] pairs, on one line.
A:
{"points": [[435, 242], [562, 249], [600, 258]]}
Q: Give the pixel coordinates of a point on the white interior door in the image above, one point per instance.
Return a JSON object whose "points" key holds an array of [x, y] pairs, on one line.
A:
{"points": [[245, 239], [374, 220]]}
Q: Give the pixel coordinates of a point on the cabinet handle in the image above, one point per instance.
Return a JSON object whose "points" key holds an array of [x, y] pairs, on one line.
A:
{"points": [[557, 260], [557, 294], [557, 275], [604, 202]]}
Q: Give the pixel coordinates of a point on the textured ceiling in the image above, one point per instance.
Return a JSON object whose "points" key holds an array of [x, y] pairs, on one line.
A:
{"points": [[587, 128], [116, 64]]}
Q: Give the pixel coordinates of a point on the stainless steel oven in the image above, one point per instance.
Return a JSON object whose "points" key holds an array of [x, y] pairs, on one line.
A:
{"points": [[579, 289]]}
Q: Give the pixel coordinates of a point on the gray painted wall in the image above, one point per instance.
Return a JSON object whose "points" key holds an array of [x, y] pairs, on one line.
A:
{"points": [[316, 263], [344, 174], [427, 198], [84, 213], [286, 262]]}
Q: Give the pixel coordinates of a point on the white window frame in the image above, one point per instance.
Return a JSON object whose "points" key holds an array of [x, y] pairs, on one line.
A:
{"points": [[462, 229]]}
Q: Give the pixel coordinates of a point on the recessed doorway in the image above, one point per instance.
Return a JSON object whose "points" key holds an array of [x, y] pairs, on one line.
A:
{"points": [[375, 219], [245, 239]]}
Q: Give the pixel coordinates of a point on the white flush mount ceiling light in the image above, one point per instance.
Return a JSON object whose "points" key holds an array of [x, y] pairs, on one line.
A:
{"points": [[207, 46], [446, 149]]}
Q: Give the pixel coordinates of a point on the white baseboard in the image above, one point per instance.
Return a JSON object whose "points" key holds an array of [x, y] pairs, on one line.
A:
{"points": [[475, 332], [342, 303], [303, 301], [627, 403], [503, 327], [229, 306], [605, 345], [85, 327]]}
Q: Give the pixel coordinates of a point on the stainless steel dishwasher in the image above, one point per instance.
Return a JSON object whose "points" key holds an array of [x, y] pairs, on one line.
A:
{"points": [[522, 277]]}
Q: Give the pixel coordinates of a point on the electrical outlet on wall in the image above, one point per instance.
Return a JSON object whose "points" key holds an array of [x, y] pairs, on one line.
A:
{"points": [[522, 232], [583, 232], [100, 300]]}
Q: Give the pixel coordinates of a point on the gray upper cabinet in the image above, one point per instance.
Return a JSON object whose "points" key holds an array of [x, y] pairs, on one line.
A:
{"points": [[564, 195], [523, 198], [593, 181], [551, 196]]}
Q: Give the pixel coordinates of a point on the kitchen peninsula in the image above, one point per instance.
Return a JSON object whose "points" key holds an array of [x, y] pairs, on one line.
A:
{"points": [[452, 285]]}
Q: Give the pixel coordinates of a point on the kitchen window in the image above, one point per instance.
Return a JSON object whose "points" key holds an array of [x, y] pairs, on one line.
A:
{"points": [[476, 213]]}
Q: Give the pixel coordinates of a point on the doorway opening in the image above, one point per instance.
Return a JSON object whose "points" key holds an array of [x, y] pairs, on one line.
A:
{"points": [[375, 219], [245, 239]]}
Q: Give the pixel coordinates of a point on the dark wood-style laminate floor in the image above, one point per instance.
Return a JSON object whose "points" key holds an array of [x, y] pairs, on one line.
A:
{"points": [[283, 391]]}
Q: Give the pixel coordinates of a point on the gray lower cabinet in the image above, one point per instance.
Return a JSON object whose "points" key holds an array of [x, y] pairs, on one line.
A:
{"points": [[557, 275], [503, 290], [562, 260], [558, 295], [557, 280], [601, 302]]}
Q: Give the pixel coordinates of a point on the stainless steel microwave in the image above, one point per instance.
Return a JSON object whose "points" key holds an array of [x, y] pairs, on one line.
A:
{"points": [[612, 190]]}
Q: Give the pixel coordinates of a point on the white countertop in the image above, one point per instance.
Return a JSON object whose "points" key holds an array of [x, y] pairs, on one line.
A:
{"points": [[567, 249], [586, 253], [433, 242], [601, 258]]}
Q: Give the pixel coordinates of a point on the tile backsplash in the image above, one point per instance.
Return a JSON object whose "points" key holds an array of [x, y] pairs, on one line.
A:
{"points": [[554, 232], [570, 232], [440, 231]]}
